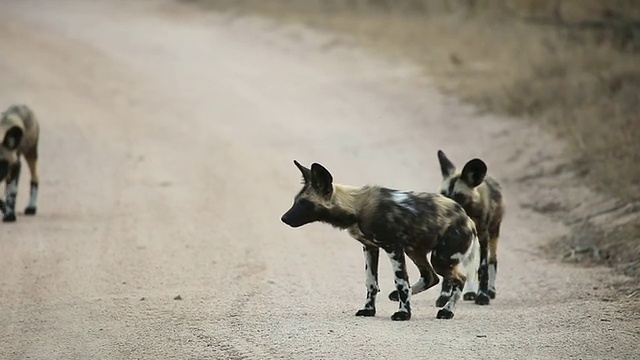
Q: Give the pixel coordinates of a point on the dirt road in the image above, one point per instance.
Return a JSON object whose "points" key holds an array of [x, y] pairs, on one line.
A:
{"points": [[166, 161]]}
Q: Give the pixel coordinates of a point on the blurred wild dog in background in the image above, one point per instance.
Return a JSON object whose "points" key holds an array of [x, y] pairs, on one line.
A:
{"points": [[481, 197], [20, 133]]}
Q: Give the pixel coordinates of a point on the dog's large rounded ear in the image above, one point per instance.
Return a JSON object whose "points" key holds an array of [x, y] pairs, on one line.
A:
{"points": [[12, 138], [306, 173], [321, 179], [446, 166], [474, 172]]}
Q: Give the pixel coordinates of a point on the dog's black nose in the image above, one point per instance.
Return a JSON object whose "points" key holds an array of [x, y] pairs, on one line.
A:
{"points": [[284, 219]]}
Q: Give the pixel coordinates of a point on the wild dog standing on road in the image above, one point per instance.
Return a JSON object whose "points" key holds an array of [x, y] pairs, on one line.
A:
{"points": [[399, 222], [20, 132], [481, 197]]}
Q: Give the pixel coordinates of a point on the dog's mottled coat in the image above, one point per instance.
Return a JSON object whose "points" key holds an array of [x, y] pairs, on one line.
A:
{"points": [[399, 222], [481, 197], [20, 134]]}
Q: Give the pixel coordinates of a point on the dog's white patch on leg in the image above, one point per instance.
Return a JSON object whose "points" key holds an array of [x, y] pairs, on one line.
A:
{"points": [[456, 294], [11, 193], [401, 284], [492, 277], [471, 286], [451, 304], [33, 197], [470, 262], [370, 281], [372, 285], [445, 293]]}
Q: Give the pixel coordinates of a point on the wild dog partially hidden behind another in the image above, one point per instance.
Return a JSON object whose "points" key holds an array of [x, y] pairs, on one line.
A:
{"points": [[399, 222], [20, 132], [481, 197]]}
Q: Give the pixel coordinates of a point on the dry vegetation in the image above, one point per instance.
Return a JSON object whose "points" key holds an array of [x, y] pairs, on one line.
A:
{"points": [[571, 66]]}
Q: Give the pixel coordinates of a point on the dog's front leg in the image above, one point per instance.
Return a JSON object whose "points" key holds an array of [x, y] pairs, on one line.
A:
{"points": [[401, 279], [12, 192], [371, 256]]}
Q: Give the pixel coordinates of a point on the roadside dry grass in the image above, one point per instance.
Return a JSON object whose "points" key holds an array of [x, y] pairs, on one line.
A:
{"points": [[570, 66]]}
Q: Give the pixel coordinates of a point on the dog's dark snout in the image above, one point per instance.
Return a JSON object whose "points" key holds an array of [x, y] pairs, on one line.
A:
{"points": [[284, 219]]}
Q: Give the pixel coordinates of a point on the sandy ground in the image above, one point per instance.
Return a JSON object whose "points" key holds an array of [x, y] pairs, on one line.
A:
{"points": [[166, 161]]}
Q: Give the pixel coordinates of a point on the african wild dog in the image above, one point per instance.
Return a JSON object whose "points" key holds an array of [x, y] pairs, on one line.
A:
{"points": [[481, 197], [399, 222], [20, 132]]}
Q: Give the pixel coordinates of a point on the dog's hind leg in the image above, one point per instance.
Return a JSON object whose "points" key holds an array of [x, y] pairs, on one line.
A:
{"points": [[494, 234], [446, 289], [11, 192], [32, 161], [482, 298], [428, 277], [456, 262], [470, 288], [448, 268], [371, 255], [469, 293], [454, 277]]}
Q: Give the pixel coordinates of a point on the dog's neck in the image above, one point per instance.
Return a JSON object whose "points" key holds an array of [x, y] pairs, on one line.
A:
{"points": [[346, 204]]}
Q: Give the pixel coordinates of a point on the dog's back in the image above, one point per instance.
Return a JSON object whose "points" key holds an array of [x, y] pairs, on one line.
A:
{"points": [[417, 219]]}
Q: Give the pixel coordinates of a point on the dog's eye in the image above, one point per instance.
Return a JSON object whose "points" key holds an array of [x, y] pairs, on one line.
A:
{"points": [[305, 203]]}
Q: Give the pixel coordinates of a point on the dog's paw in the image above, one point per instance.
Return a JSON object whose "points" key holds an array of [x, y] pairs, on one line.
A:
{"points": [[492, 294], [469, 296], [444, 314], [482, 299], [401, 316], [366, 312]]}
